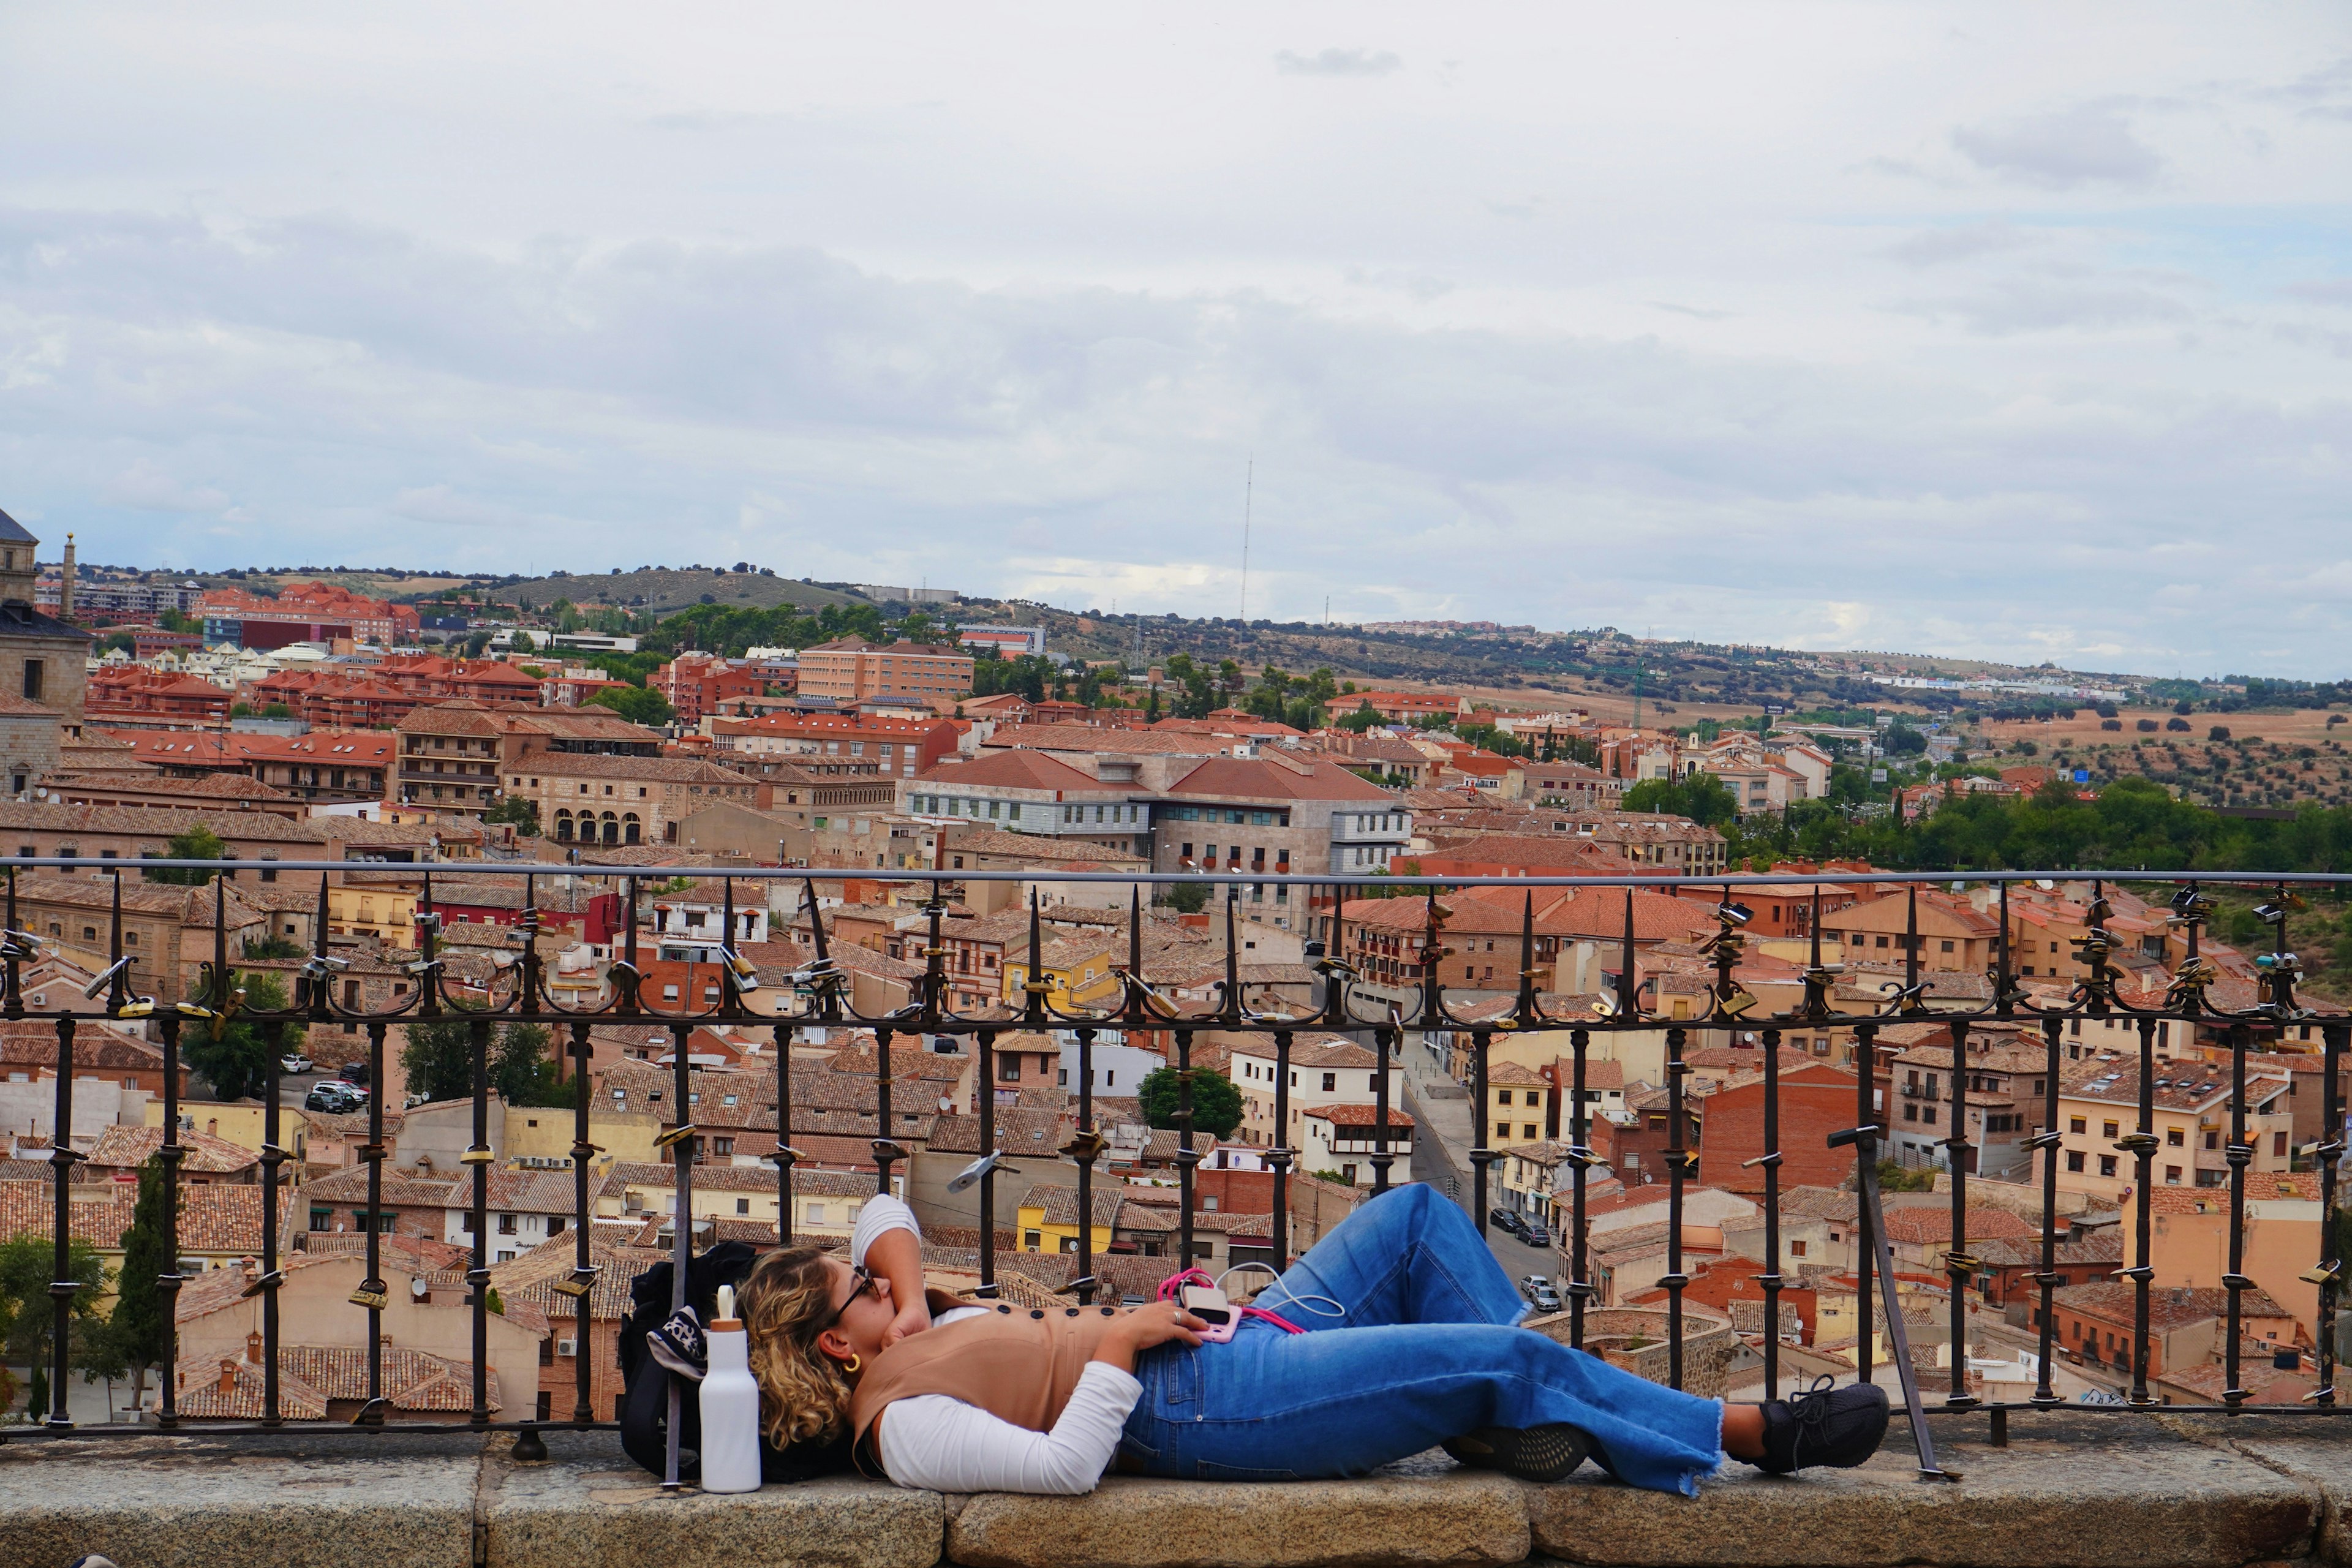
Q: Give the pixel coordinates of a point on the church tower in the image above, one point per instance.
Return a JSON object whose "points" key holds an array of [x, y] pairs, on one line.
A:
{"points": [[43, 672]]}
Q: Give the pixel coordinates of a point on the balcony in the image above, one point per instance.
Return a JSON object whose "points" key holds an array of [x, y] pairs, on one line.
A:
{"points": [[1491, 1522]]}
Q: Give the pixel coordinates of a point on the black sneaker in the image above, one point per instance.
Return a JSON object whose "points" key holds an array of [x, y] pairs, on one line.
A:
{"points": [[677, 1344], [1531, 1453], [1826, 1425]]}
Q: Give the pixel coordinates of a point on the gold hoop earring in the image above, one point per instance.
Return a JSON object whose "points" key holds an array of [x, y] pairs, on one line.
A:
{"points": [[853, 1365]]}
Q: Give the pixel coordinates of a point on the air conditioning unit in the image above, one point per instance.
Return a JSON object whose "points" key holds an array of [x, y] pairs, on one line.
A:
{"points": [[567, 1347]]}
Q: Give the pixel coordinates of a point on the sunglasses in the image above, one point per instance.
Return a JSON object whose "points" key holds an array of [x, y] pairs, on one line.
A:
{"points": [[865, 1282]]}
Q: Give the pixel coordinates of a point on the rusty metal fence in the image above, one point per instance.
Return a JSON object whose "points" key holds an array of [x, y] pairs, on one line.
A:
{"points": [[517, 991]]}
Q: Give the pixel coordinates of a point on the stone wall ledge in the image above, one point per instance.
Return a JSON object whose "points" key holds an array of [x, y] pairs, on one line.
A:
{"points": [[2070, 1490]]}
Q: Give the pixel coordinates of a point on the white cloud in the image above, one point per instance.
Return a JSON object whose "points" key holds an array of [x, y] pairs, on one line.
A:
{"points": [[1337, 62], [1551, 335], [2090, 145], [145, 486]]}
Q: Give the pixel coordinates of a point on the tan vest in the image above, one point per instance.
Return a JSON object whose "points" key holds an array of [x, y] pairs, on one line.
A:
{"points": [[1018, 1363]]}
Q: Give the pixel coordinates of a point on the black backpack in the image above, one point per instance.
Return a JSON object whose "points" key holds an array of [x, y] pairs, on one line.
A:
{"points": [[644, 1404]]}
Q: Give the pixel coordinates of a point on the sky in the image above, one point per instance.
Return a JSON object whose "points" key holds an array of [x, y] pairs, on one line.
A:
{"points": [[2010, 332]]}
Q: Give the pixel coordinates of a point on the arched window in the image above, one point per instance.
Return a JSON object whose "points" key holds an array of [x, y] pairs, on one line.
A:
{"points": [[563, 827], [631, 829], [612, 828]]}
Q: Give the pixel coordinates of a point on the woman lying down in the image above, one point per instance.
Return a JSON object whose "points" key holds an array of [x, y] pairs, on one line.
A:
{"points": [[1394, 1334]]}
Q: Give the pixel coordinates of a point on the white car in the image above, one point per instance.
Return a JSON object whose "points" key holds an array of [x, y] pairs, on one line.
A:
{"points": [[298, 1062]]}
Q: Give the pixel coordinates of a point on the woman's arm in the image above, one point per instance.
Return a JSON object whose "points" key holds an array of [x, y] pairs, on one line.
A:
{"points": [[939, 1444], [889, 1242]]}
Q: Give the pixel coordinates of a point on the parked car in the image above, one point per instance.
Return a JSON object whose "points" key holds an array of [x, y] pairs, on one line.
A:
{"points": [[355, 1072], [1506, 1219], [334, 1099], [1535, 1234], [1535, 1282], [1546, 1300], [294, 1062]]}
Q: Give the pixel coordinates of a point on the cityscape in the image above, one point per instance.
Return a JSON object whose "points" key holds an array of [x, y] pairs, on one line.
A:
{"points": [[691, 705]]}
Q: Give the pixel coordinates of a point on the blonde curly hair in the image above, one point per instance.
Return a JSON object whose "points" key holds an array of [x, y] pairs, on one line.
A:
{"points": [[804, 1397]]}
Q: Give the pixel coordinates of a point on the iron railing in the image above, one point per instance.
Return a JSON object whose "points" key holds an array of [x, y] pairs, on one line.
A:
{"points": [[517, 991]]}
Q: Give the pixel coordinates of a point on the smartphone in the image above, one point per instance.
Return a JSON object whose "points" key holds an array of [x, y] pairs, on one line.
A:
{"points": [[1208, 1303]]}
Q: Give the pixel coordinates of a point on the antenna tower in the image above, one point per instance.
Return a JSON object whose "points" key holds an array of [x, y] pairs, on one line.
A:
{"points": [[1249, 489]]}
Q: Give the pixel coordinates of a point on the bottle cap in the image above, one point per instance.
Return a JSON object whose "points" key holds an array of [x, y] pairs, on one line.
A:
{"points": [[726, 1325]]}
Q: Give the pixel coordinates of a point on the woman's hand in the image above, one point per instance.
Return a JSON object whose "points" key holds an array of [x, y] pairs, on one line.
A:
{"points": [[1143, 1328], [912, 1318]]}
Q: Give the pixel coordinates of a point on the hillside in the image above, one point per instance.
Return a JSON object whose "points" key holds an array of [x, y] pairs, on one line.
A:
{"points": [[660, 590]]}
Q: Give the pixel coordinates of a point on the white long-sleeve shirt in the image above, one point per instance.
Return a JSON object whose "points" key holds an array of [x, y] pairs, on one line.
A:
{"points": [[936, 1443]]}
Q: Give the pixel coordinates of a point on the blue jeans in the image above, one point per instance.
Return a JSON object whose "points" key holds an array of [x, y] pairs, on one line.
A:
{"points": [[1427, 1350]]}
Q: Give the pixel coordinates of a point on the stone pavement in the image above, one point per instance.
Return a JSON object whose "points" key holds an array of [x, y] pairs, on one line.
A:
{"points": [[2071, 1490]]}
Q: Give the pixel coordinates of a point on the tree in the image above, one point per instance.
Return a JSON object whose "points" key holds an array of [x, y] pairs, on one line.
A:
{"points": [[1216, 1103], [520, 810], [2218, 732], [522, 1074], [636, 704], [198, 843], [438, 1059], [235, 1062], [523, 642], [1364, 718], [1702, 797], [178, 621], [1187, 898], [136, 1334], [28, 1312]]}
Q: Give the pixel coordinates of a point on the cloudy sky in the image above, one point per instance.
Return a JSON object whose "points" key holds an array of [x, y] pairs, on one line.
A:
{"points": [[2021, 332]]}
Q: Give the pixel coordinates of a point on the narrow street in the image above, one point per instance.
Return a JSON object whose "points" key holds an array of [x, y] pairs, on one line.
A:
{"points": [[1441, 1109]]}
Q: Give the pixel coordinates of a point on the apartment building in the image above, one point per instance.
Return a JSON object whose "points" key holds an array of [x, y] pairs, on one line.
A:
{"points": [[1996, 1099], [458, 755], [1031, 793], [591, 798], [302, 612], [1279, 812], [694, 684], [323, 765], [2098, 1105], [899, 748], [1953, 934], [850, 670], [1325, 1071]]}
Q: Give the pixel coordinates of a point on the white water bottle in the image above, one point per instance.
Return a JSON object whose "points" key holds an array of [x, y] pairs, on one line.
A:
{"points": [[730, 1405]]}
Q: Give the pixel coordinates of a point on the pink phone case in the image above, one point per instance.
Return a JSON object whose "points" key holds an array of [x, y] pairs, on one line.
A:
{"points": [[1216, 1333]]}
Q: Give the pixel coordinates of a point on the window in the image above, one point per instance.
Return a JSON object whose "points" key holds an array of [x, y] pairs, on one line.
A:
{"points": [[2076, 1124], [2108, 1130], [1502, 1097], [2106, 1164], [2074, 1158], [1330, 1082], [1033, 1241], [33, 680], [2174, 1137], [742, 1205], [1529, 1130], [506, 1224], [2278, 1144], [1502, 1129], [2172, 1175]]}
